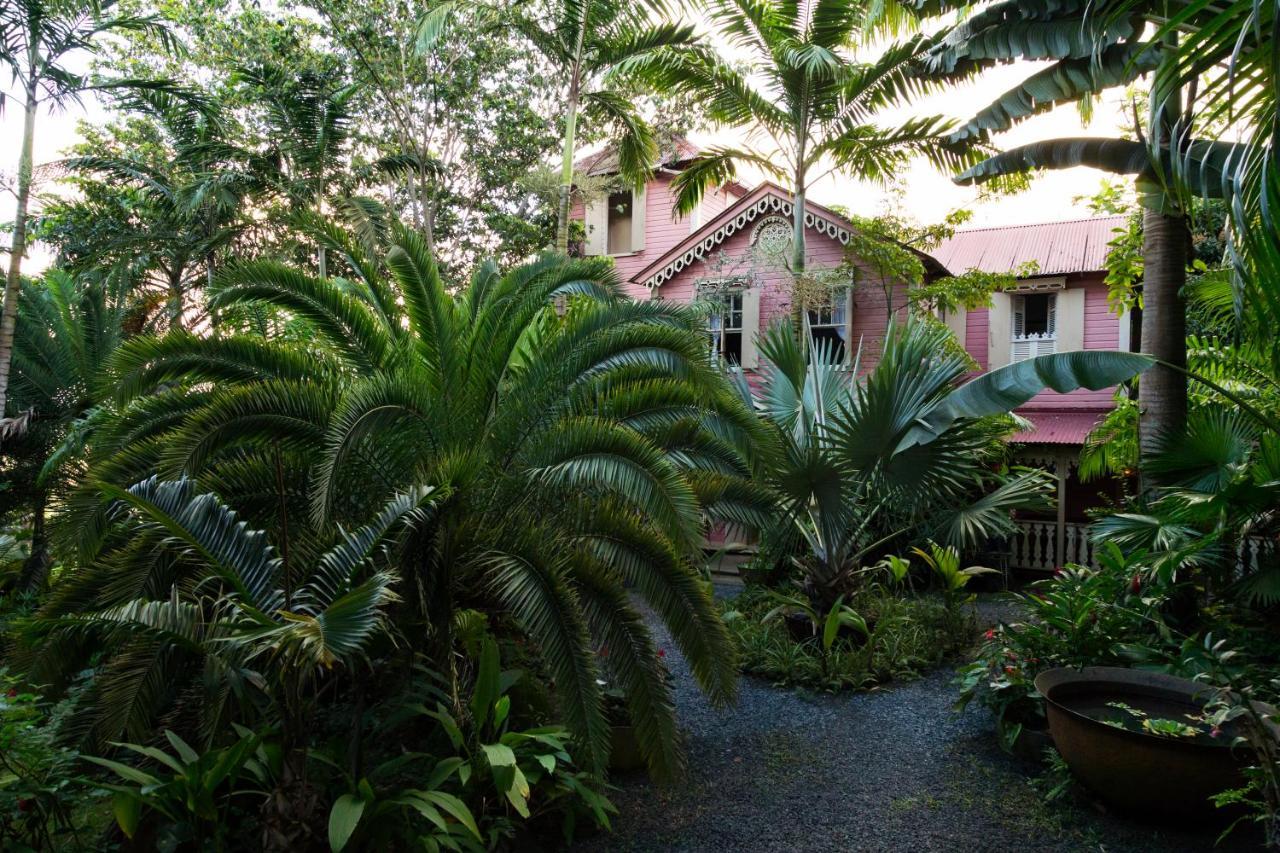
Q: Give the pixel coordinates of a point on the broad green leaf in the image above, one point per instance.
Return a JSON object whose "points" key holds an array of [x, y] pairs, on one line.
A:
{"points": [[455, 807], [486, 686], [1006, 388], [343, 819], [499, 755], [128, 811]]}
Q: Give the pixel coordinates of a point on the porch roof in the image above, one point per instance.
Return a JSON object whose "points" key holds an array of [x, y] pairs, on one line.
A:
{"points": [[1055, 247], [1058, 427]]}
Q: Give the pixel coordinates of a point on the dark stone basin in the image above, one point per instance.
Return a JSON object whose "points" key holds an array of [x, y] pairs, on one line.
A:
{"points": [[1136, 772]]}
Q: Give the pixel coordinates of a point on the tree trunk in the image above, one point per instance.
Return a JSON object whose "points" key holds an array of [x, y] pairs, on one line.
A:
{"points": [[797, 244], [566, 163], [1162, 391], [13, 284], [570, 137]]}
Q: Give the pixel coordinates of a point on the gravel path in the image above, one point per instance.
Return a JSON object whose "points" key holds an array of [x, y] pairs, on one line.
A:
{"points": [[892, 769]]}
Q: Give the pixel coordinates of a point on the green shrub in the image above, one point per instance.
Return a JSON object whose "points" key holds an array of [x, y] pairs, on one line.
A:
{"points": [[905, 635]]}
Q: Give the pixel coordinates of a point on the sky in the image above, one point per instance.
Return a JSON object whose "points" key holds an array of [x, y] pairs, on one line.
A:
{"points": [[923, 193]]}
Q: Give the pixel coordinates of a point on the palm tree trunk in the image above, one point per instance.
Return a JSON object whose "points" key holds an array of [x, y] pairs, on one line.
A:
{"points": [[1162, 391], [797, 242], [13, 284], [570, 137], [566, 164]]}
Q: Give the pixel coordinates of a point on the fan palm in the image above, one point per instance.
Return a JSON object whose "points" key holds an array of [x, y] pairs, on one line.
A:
{"points": [[902, 454], [821, 108], [588, 43], [577, 453], [36, 37]]}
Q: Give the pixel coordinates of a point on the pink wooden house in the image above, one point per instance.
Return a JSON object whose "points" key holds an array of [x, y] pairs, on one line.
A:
{"points": [[735, 245]]}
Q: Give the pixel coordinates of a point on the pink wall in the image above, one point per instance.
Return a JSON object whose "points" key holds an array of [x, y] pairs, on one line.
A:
{"points": [[661, 231], [1101, 331]]}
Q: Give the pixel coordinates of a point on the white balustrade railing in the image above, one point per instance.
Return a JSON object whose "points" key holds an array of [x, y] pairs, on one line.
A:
{"points": [[1035, 546]]}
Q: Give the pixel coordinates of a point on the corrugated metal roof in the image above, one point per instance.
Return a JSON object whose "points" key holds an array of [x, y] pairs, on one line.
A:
{"points": [[1074, 246], [605, 162], [1058, 427]]}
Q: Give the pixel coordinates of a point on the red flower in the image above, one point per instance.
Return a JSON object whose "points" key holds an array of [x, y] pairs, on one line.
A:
{"points": [[13, 691], [991, 634], [1135, 585], [604, 651], [24, 805], [1010, 670], [662, 653]]}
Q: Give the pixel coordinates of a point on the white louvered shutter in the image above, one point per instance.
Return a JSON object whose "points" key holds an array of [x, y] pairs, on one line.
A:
{"points": [[596, 220], [637, 219], [1020, 349], [1053, 314], [750, 327]]}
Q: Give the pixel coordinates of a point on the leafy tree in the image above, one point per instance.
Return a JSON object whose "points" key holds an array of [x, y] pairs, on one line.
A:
{"points": [[586, 43], [821, 108], [571, 454], [36, 39]]}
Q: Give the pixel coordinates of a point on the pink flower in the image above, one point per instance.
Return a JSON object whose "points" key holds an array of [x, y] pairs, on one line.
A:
{"points": [[991, 634], [1215, 731], [1010, 670], [1135, 585]]}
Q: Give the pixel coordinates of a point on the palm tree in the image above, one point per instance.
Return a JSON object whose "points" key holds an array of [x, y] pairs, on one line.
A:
{"points": [[570, 453], [68, 327], [162, 216], [589, 43], [1098, 46], [900, 455], [802, 91], [36, 38]]}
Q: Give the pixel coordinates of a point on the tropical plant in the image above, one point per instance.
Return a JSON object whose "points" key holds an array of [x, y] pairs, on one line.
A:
{"points": [[1096, 46], [590, 44], [900, 452], [570, 453], [802, 89], [158, 199], [944, 563], [68, 326], [37, 37], [1079, 617], [185, 799]]}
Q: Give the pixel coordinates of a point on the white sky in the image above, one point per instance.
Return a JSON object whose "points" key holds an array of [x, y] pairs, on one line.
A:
{"points": [[927, 195]]}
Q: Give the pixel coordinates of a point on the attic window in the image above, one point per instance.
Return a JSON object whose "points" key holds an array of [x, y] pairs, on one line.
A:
{"points": [[620, 211]]}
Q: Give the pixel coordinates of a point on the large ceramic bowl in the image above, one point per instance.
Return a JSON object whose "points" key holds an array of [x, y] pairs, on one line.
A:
{"points": [[1137, 772]]}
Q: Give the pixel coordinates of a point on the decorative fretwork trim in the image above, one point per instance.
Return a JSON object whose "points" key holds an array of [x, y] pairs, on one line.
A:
{"points": [[1039, 285], [768, 204]]}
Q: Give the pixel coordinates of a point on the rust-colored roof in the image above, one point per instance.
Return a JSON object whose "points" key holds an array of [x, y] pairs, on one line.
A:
{"points": [[1058, 427], [670, 153], [1075, 246]]}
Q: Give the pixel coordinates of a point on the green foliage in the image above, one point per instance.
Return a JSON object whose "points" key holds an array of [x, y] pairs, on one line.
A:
{"points": [[853, 479], [878, 637], [1108, 616], [944, 563], [41, 796], [186, 796]]}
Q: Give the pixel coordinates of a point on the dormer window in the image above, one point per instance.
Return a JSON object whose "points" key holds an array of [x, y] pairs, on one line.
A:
{"points": [[615, 223], [620, 210]]}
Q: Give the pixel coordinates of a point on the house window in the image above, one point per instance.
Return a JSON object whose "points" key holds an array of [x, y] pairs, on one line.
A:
{"points": [[1035, 325], [725, 330], [620, 214], [829, 325]]}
